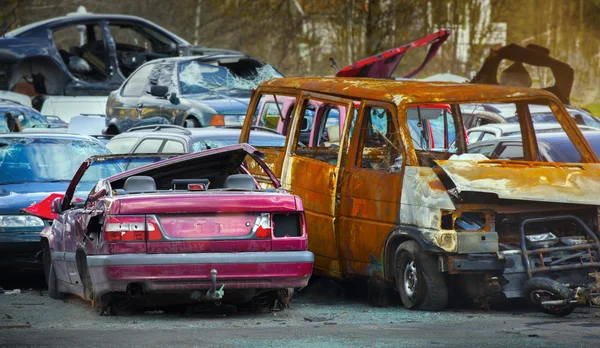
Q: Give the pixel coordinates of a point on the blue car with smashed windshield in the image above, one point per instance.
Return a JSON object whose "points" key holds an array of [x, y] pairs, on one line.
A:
{"points": [[15, 117], [32, 166]]}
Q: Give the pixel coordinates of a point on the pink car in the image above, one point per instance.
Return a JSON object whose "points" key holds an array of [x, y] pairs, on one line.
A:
{"points": [[191, 228]]}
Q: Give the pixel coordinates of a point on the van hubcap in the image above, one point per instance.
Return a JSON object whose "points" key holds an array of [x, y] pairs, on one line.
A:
{"points": [[410, 279]]}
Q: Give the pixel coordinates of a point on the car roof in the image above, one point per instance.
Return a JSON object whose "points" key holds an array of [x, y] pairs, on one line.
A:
{"points": [[205, 58], [514, 127], [194, 133], [404, 92], [76, 17], [547, 138], [66, 136]]}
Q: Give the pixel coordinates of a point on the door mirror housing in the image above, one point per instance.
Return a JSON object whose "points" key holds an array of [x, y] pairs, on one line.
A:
{"points": [[173, 98], [57, 205], [159, 91]]}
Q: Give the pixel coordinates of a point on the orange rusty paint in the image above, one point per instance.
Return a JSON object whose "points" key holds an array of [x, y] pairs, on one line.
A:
{"points": [[436, 185], [352, 211]]}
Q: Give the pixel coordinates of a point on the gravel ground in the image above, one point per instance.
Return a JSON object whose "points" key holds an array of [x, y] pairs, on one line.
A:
{"points": [[329, 321]]}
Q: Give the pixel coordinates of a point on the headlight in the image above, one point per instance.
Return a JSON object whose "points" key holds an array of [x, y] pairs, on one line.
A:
{"points": [[20, 221]]}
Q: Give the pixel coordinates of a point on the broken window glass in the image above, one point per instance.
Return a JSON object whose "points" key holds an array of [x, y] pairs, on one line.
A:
{"points": [[43, 160], [196, 77]]}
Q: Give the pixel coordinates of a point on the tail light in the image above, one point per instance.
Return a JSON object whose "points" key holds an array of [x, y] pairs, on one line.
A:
{"points": [[131, 229], [262, 226], [289, 231]]}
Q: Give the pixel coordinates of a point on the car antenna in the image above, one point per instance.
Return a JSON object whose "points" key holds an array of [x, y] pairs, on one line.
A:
{"points": [[334, 64]]}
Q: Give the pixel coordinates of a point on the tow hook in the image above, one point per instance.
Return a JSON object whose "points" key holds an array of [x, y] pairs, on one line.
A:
{"points": [[213, 294]]}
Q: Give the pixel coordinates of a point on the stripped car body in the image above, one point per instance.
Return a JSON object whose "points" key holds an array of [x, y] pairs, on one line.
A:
{"points": [[158, 230], [372, 213]]}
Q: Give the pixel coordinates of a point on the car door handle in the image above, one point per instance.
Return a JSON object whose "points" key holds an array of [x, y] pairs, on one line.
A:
{"points": [[139, 106]]}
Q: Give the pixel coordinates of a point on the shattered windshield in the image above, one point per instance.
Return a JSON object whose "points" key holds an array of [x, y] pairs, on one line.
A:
{"points": [[25, 160], [196, 77], [26, 118]]}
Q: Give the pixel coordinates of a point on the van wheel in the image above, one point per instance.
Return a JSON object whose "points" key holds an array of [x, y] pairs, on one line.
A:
{"points": [[541, 289], [420, 284], [51, 280], [191, 122]]}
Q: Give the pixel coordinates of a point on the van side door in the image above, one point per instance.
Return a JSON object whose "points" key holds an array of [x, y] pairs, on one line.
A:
{"points": [[370, 189], [311, 172]]}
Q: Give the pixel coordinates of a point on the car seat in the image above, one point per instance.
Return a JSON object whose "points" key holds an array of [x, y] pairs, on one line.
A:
{"points": [[240, 181], [333, 132], [139, 183]]}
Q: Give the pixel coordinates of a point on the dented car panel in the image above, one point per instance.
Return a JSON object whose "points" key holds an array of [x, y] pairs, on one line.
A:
{"points": [[196, 225], [543, 182], [365, 209]]}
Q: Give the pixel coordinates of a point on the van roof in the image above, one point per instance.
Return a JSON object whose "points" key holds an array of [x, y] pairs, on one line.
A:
{"points": [[405, 91]]}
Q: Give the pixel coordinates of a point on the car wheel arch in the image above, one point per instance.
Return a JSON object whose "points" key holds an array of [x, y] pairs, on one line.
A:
{"points": [[112, 129], [397, 237], [194, 117]]}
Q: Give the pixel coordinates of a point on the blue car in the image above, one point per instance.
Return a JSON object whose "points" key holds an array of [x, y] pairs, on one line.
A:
{"points": [[15, 117], [32, 166]]}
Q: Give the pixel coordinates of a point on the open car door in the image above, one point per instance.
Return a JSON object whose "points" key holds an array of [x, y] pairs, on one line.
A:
{"points": [[384, 64]]}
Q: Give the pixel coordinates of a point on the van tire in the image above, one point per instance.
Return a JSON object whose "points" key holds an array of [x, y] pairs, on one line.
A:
{"points": [[420, 284]]}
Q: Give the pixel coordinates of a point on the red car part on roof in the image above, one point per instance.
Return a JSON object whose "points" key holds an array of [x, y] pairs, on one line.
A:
{"points": [[383, 65]]}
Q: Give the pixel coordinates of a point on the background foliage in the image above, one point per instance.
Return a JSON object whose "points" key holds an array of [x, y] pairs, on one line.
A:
{"points": [[299, 36]]}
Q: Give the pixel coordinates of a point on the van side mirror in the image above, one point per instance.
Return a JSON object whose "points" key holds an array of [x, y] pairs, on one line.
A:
{"points": [[159, 91], [56, 205]]}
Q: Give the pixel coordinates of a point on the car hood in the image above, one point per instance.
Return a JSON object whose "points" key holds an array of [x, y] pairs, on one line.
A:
{"points": [[235, 101], [573, 183], [15, 197], [384, 64]]}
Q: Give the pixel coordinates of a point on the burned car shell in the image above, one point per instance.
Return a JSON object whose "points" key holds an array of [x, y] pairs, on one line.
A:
{"points": [[31, 49], [361, 218], [193, 241]]}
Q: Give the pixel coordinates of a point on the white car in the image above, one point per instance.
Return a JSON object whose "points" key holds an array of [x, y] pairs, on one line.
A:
{"points": [[16, 97], [497, 130], [66, 107]]}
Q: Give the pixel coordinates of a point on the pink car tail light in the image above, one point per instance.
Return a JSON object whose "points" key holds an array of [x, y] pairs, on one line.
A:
{"points": [[130, 229]]}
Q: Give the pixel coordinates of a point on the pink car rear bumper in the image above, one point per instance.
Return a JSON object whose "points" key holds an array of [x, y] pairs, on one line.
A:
{"points": [[188, 272]]}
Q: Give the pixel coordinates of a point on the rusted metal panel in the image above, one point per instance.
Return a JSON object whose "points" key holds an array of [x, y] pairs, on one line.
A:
{"points": [[423, 198], [543, 182], [369, 206], [315, 182]]}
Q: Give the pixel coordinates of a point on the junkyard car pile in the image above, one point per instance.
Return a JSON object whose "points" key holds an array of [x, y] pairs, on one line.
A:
{"points": [[436, 190]]}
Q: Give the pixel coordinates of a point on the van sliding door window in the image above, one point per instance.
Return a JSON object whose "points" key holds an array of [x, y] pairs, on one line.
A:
{"points": [[381, 148]]}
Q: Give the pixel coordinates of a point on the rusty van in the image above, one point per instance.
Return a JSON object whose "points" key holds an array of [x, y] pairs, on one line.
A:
{"points": [[433, 222]]}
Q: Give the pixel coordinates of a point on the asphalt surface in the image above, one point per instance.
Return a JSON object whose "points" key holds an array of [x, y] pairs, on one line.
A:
{"points": [[322, 316]]}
